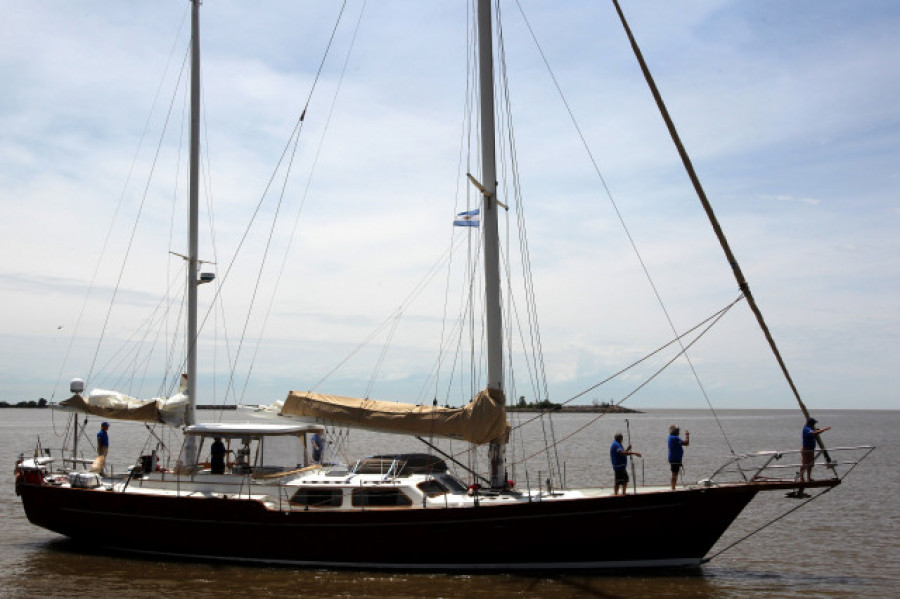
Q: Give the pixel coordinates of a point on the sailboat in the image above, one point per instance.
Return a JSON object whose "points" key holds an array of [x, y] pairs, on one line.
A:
{"points": [[407, 511]]}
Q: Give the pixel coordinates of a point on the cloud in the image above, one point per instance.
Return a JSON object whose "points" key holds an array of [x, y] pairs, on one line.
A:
{"points": [[787, 198]]}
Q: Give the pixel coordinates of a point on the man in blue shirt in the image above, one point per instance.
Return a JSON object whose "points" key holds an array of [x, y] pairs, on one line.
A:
{"points": [[102, 449], [618, 455], [318, 447], [676, 451], [808, 453], [103, 440]]}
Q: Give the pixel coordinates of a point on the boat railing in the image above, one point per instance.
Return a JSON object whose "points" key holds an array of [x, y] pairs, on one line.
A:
{"points": [[63, 460], [784, 466], [48, 456]]}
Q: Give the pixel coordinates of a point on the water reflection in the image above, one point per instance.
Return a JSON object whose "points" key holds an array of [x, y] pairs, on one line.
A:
{"points": [[65, 568]]}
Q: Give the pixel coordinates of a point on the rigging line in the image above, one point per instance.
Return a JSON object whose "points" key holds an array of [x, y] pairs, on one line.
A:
{"points": [[445, 308], [544, 421], [712, 319], [707, 207], [279, 203], [122, 349], [625, 228], [471, 125], [398, 315], [158, 333], [219, 305], [287, 147], [539, 378], [464, 151], [766, 525], [138, 358], [684, 348], [544, 425], [529, 357], [185, 123], [296, 223], [477, 326], [176, 378], [434, 374], [259, 274], [118, 207], [456, 337], [450, 457], [533, 376], [134, 227], [531, 303], [417, 289], [468, 307], [467, 316], [447, 340], [317, 155], [794, 509]]}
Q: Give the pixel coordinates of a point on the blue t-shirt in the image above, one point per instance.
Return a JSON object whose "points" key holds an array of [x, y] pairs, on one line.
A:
{"points": [[809, 438], [676, 451], [619, 460], [102, 439], [317, 443]]}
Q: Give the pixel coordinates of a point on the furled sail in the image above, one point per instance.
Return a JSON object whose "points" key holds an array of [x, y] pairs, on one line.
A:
{"points": [[113, 405], [482, 421]]}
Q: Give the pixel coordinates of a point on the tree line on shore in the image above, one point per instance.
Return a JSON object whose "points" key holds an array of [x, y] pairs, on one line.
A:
{"points": [[546, 405], [41, 403]]}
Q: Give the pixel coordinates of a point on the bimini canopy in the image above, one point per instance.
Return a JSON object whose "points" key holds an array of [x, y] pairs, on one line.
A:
{"points": [[482, 421], [251, 430]]}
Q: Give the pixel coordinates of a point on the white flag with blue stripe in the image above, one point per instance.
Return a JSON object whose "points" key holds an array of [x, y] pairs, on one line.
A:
{"points": [[468, 218]]}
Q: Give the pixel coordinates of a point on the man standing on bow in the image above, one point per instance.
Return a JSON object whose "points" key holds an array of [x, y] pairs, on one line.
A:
{"points": [[676, 451], [808, 453]]}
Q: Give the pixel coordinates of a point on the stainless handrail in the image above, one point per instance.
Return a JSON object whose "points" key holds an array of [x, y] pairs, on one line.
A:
{"points": [[772, 463]]}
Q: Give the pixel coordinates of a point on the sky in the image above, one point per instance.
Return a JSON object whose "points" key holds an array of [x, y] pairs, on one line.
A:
{"points": [[788, 110]]}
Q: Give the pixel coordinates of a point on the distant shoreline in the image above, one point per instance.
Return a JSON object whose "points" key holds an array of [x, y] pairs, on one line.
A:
{"points": [[606, 409]]}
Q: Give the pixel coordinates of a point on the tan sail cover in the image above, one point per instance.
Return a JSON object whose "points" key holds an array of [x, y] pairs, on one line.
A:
{"points": [[482, 421]]}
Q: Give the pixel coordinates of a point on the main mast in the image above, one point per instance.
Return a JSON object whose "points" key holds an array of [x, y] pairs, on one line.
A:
{"points": [[489, 219], [190, 448]]}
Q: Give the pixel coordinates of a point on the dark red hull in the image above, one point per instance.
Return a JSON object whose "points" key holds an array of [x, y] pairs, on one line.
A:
{"points": [[644, 530]]}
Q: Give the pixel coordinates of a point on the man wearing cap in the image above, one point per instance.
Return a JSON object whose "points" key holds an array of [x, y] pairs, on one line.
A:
{"points": [[676, 451], [808, 452], [618, 456], [103, 440]]}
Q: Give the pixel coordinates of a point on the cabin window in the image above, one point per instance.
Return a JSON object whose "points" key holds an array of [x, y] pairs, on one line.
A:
{"points": [[380, 498], [432, 488], [318, 497]]}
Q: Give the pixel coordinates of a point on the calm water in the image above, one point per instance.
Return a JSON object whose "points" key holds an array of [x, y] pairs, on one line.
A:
{"points": [[842, 545]]}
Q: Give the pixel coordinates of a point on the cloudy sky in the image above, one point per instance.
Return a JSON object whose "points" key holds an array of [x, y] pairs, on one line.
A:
{"points": [[789, 110]]}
